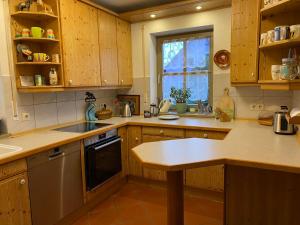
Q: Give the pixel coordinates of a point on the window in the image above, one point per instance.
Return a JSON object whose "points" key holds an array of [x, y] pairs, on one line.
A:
{"points": [[184, 61]]}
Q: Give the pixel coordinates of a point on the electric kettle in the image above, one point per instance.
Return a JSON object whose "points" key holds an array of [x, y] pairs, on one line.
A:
{"points": [[126, 110], [281, 125]]}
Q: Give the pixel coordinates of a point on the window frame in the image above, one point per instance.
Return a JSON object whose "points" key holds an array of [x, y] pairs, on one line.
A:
{"points": [[159, 42]]}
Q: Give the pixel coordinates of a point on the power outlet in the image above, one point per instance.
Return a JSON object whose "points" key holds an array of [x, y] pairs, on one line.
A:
{"points": [[253, 107], [25, 116], [260, 107]]}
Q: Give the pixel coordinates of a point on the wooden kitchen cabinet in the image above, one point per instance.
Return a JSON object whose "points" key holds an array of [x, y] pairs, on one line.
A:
{"points": [[79, 24], [209, 178], [122, 132], [124, 53], [14, 201], [108, 49], [244, 41], [134, 139]]}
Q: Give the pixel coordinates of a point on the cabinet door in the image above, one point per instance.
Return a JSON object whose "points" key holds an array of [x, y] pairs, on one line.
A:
{"points": [[79, 23], [134, 139], [209, 178], [124, 148], [14, 201], [108, 49], [244, 42], [124, 52]]}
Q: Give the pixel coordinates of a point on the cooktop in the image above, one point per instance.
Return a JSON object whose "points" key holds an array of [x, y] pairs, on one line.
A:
{"points": [[82, 127]]}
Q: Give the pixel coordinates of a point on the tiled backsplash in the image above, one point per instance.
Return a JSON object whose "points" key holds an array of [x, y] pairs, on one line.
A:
{"points": [[47, 109]]}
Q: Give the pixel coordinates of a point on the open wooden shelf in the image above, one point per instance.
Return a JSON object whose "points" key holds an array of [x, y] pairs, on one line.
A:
{"points": [[45, 88], [34, 15], [281, 85], [281, 6], [37, 63], [282, 44], [41, 40]]}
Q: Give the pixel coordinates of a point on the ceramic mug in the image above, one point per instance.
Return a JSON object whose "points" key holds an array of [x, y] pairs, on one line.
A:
{"points": [[284, 32], [50, 34], [264, 39], [25, 32], [271, 36], [295, 31], [55, 58], [37, 32], [40, 57]]}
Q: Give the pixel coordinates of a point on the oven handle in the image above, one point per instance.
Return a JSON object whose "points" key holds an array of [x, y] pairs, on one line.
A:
{"points": [[105, 145]]}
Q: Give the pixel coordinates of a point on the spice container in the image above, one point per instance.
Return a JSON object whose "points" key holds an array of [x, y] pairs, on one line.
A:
{"points": [[38, 80], [277, 34], [53, 79]]}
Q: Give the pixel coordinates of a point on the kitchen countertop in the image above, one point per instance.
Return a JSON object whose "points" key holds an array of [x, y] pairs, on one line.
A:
{"points": [[247, 142]]}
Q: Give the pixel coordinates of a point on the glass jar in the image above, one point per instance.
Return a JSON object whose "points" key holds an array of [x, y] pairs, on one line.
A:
{"points": [[288, 69]]}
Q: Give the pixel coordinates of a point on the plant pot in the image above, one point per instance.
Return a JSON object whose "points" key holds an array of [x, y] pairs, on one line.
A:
{"points": [[181, 108]]}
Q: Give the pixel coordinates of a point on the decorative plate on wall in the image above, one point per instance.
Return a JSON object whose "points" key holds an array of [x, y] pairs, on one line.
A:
{"points": [[222, 59]]}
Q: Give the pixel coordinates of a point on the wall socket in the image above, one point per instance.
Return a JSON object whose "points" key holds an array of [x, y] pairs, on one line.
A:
{"points": [[257, 107], [25, 116]]}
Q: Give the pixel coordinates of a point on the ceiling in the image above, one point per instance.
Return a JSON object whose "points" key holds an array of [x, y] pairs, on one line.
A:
{"points": [[120, 6]]}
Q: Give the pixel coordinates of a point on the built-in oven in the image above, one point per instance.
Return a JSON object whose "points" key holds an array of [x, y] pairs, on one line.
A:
{"points": [[102, 158]]}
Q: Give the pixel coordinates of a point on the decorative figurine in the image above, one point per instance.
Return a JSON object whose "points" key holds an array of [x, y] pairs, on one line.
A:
{"points": [[24, 6], [90, 114]]}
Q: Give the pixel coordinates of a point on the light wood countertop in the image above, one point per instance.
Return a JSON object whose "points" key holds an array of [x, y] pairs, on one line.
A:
{"points": [[247, 143]]}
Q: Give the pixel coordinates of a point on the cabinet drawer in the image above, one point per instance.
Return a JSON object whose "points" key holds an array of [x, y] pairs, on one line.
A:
{"points": [[13, 168], [218, 135], [160, 131], [152, 138]]}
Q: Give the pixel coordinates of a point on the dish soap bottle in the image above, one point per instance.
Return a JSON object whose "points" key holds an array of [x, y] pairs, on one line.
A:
{"points": [[53, 79], [90, 113]]}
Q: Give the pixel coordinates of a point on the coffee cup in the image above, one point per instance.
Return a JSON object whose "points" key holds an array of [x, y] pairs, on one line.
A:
{"points": [[295, 31], [264, 39], [40, 57], [55, 58], [275, 72], [50, 34], [37, 32], [25, 32], [270, 36], [284, 32]]}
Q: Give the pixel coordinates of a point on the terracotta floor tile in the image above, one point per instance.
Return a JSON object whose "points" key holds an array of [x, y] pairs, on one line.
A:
{"points": [[142, 205]]}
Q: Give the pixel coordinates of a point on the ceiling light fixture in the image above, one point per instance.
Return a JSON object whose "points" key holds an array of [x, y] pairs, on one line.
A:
{"points": [[152, 15], [199, 7]]}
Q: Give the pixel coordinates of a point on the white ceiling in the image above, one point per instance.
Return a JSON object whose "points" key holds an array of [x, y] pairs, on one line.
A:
{"points": [[121, 6]]}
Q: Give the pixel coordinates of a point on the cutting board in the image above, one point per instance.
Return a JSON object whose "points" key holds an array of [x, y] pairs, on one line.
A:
{"points": [[226, 104]]}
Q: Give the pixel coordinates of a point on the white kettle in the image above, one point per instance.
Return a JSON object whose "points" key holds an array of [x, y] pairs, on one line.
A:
{"points": [[165, 105]]}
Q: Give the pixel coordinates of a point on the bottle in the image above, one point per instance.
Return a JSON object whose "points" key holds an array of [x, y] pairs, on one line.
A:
{"points": [[53, 79]]}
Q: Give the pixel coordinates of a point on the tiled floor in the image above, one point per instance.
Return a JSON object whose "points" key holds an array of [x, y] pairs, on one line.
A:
{"points": [[137, 204]]}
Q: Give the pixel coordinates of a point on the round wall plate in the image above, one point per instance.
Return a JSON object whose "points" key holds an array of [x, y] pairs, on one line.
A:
{"points": [[222, 59]]}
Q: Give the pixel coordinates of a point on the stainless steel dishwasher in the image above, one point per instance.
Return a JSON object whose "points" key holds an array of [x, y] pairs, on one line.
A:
{"points": [[55, 184]]}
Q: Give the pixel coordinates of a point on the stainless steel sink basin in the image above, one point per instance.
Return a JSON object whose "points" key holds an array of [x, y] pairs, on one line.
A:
{"points": [[4, 149]]}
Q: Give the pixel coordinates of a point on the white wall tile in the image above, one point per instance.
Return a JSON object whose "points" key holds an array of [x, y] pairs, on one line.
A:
{"points": [[25, 99], [43, 98], [80, 110], [278, 101], [66, 112], [66, 96], [243, 107], [278, 93], [46, 115]]}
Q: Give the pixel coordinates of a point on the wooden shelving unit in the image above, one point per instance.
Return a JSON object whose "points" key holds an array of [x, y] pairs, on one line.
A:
{"points": [[45, 20], [282, 85], [280, 7], [30, 39], [282, 44], [285, 12]]}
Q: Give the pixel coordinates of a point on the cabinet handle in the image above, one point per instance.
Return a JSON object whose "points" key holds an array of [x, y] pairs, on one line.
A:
{"points": [[122, 140], [161, 131], [105, 81], [22, 181], [205, 135], [122, 81], [252, 74], [70, 82], [136, 139]]}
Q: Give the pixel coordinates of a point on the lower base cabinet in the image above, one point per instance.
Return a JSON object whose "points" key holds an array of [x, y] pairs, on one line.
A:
{"points": [[14, 201], [134, 133]]}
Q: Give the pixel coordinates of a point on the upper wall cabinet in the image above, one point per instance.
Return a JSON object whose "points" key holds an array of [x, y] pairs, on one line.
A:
{"points": [[244, 42], [124, 52], [108, 49], [79, 24]]}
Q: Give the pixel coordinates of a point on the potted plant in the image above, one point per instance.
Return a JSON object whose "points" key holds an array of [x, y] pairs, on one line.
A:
{"points": [[180, 96]]}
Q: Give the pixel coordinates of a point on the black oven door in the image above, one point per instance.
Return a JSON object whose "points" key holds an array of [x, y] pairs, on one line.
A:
{"points": [[103, 161]]}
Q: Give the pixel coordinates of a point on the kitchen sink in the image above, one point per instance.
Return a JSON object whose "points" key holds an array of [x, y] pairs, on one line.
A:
{"points": [[4, 149]]}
